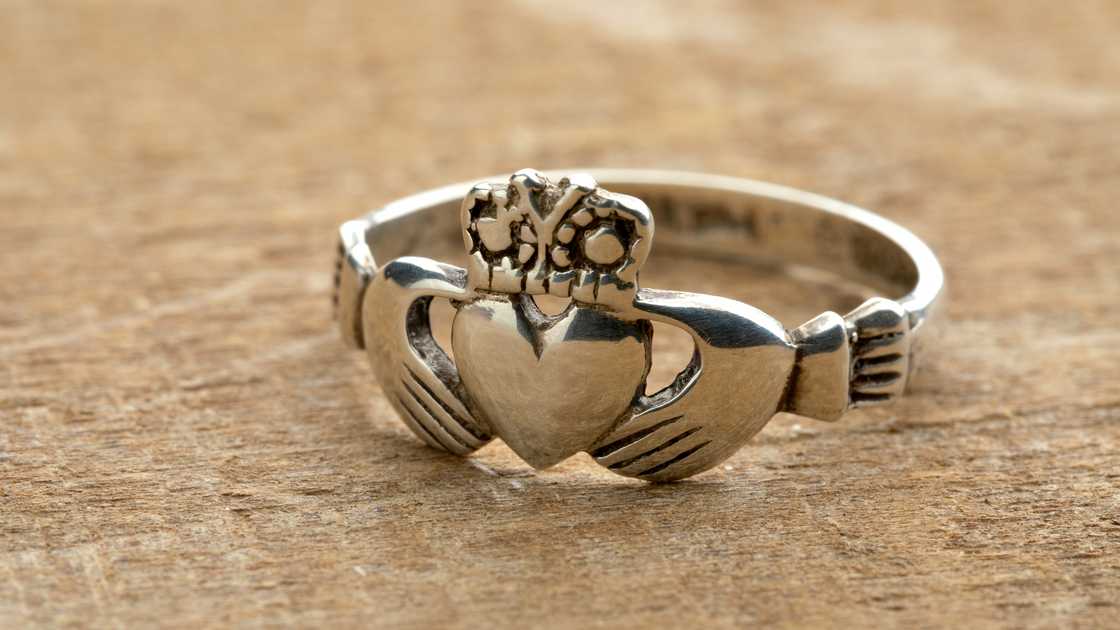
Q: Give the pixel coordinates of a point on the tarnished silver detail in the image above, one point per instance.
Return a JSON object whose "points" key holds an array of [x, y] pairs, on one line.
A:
{"points": [[552, 385], [880, 339], [568, 240]]}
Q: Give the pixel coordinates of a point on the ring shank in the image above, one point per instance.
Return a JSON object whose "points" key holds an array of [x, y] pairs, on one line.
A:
{"points": [[710, 214]]}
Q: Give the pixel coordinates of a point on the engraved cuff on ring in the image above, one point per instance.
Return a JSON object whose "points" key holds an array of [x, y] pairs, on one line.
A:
{"points": [[553, 385]]}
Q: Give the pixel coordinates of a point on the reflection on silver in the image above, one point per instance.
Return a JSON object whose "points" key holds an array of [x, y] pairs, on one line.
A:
{"points": [[553, 385]]}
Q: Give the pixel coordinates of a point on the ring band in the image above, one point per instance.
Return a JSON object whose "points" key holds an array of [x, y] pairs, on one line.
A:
{"points": [[553, 385]]}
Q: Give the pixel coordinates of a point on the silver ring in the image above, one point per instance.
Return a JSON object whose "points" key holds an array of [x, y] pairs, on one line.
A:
{"points": [[553, 385]]}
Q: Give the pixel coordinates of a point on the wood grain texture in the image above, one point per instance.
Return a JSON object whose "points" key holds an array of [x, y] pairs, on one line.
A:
{"points": [[184, 442]]}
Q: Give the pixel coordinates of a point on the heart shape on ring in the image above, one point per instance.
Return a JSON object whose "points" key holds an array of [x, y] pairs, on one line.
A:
{"points": [[549, 386]]}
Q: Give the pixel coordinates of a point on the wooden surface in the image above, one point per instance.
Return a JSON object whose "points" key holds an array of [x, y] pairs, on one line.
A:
{"points": [[184, 442]]}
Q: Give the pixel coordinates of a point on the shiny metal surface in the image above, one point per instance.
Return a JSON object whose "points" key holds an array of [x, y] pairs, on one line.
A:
{"points": [[552, 385], [549, 386]]}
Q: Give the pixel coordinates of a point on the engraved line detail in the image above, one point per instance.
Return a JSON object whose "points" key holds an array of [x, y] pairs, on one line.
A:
{"points": [[467, 424], [866, 344], [633, 437], [879, 360], [433, 440], [679, 458], [435, 419], [656, 449]]}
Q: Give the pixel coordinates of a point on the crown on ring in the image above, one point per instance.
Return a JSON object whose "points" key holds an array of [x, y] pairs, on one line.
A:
{"points": [[567, 239]]}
